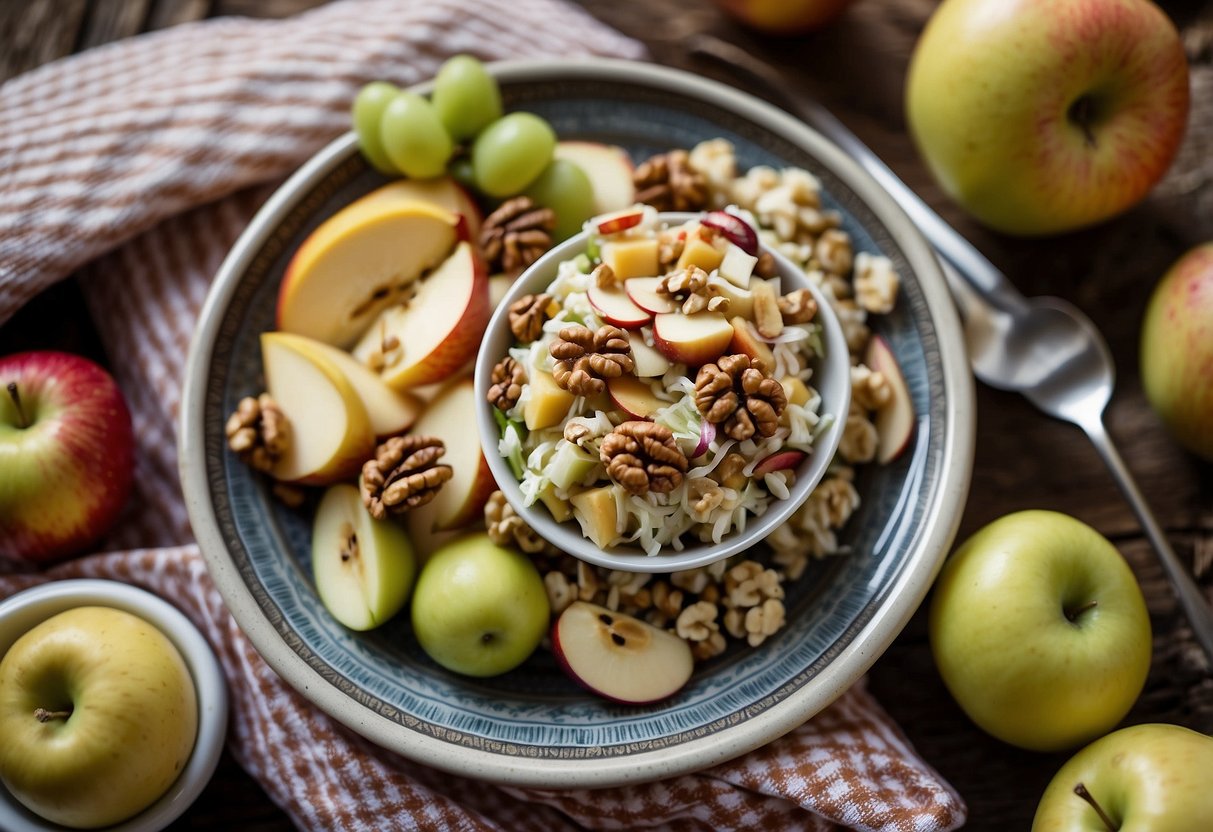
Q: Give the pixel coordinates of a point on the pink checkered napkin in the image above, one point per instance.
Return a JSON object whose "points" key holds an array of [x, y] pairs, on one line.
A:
{"points": [[140, 163]]}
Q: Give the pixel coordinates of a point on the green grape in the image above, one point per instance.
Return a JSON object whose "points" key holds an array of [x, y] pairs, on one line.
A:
{"points": [[460, 169], [413, 137], [565, 189], [466, 97], [511, 152], [367, 112]]}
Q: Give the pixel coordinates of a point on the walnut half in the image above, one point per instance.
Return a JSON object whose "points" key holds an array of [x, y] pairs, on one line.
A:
{"points": [[643, 457]]}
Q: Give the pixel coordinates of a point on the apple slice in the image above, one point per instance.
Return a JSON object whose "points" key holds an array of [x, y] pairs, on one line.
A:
{"points": [[617, 221], [634, 397], [452, 418], [644, 293], [439, 329], [736, 230], [620, 657], [609, 169], [442, 192], [746, 340], [615, 307], [390, 412], [895, 419], [499, 287], [693, 340], [741, 299], [360, 261], [779, 461], [363, 567], [330, 432], [648, 363]]}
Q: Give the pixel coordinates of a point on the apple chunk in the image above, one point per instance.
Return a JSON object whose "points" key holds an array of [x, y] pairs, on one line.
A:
{"points": [[363, 567], [648, 362], [431, 336], [634, 397], [692, 339], [615, 307], [608, 168], [619, 657], [452, 418], [360, 261], [895, 419], [330, 432]]}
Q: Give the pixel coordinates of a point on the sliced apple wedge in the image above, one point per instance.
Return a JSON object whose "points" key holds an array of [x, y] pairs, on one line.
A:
{"points": [[361, 260], [330, 432], [648, 362], [634, 397], [620, 657], [745, 340], [438, 330], [895, 419], [693, 340], [779, 461], [609, 169], [452, 418], [644, 293], [617, 221], [615, 307], [390, 412], [363, 567], [442, 192]]}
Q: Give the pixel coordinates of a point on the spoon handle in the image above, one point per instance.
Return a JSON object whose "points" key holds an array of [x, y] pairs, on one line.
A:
{"points": [[1191, 598]]}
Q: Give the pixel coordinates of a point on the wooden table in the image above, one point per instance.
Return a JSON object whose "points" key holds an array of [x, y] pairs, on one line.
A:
{"points": [[1024, 460]]}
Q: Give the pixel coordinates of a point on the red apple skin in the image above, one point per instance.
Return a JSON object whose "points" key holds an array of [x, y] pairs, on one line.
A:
{"points": [[784, 17], [558, 652], [65, 490], [1177, 350]]}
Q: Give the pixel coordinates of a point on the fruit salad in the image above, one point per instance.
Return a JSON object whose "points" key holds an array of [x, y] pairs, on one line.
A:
{"points": [[658, 389]]}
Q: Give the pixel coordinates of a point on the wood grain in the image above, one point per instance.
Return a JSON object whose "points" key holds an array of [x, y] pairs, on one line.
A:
{"points": [[1023, 460]]}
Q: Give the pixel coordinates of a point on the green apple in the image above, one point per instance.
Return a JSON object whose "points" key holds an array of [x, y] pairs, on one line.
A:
{"points": [[1040, 631], [98, 716], [363, 567], [1177, 350], [478, 608], [67, 453], [1039, 118], [1147, 777]]}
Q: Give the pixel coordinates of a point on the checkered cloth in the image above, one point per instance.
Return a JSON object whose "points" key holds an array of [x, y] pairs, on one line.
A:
{"points": [[137, 165]]}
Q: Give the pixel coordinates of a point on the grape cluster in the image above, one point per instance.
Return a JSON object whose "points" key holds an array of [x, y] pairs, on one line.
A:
{"points": [[462, 131]]}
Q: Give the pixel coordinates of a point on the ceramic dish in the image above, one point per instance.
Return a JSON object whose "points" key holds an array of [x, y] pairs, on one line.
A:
{"points": [[25, 610], [832, 380], [533, 726]]}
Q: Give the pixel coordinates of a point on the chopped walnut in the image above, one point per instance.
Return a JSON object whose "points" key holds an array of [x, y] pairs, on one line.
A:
{"points": [[706, 496], [560, 592], [258, 432], [734, 622], [507, 379], [876, 283], [669, 183], [839, 499], [717, 161], [584, 358], [578, 433], [740, 396], [765, 267], [643, 457], [506, 528], [853, 319], [693, 581], [670, 245], [404, 474], [749, 584], [587, 581], [728, 472], [798, 307], [666, 601], [604, 277], [764, 621], [709, 648], [516, 234], [859, 438], [697, 622], [690, 285], [832, 251], [528, 314], [869, 389]]}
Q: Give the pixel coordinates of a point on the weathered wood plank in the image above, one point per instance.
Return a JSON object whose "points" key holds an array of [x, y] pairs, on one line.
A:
{"points": [[110, 20], [166, 13], [37, 33], [263, 8]]}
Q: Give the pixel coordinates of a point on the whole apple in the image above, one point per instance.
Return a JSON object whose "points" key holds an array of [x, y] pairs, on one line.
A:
{"points": [[1150, 777], [1040, 631], [99, 715], [478, 608], [1038, 117], [67, 452], [1177, 350], [784, 17]]}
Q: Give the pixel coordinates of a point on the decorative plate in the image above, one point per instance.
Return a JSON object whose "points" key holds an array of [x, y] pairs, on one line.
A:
{"points": [[533, 726]]}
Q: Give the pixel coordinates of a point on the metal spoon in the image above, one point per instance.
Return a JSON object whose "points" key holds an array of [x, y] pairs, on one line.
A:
{"points": [[1044, 348]]}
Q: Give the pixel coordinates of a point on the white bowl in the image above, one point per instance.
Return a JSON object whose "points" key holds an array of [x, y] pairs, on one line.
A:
{"points": [[25, 610], [831, 378]]}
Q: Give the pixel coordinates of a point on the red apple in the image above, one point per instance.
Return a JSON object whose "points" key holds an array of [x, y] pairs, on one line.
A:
{"points": [[693, 340], [67, 454], [615, 307], [784, 17]]}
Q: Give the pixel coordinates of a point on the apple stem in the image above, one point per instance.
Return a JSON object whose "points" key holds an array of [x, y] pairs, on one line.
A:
{"points": [[43, 715], [15, 395], [1073, 614], [1081, 791]]}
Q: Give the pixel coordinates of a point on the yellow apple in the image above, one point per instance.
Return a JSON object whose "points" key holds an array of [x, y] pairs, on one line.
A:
{"points": [[330, 432], [361, 260], [98, 716], [1039, 117], [438, 330]]}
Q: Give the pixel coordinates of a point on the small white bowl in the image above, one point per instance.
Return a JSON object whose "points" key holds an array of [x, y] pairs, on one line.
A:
{"points": [[831, 378], [25, 610]]}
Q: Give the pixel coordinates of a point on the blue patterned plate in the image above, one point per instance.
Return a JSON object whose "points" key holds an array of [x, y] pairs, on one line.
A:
{"points": [[532, 726]]}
